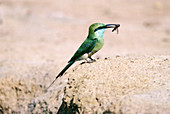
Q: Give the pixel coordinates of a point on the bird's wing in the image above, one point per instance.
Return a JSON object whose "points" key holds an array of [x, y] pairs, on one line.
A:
{"points": [[86, 47]]}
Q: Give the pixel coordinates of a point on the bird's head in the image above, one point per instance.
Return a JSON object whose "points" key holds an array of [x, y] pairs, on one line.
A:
{"points": [[98, 29]]}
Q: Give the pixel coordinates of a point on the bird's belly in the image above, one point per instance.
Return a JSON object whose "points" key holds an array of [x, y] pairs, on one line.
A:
{"points": [[83, 57]]}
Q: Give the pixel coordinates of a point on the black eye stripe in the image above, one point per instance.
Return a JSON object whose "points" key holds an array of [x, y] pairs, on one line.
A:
{"points": [[99, 28]]}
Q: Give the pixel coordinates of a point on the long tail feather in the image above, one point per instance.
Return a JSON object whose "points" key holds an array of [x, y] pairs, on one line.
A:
{"points": [[61, 73]]}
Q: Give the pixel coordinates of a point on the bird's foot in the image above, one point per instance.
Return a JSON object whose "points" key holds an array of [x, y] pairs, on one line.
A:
{"points": [[89, 61], [92, 60]]}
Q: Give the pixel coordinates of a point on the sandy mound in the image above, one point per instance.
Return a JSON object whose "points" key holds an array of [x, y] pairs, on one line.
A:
{"points": [[117, 85], [120, 85]]}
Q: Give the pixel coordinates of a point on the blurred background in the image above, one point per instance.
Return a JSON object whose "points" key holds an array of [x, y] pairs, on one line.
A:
{"points": [[37, 33], [38, 37]]}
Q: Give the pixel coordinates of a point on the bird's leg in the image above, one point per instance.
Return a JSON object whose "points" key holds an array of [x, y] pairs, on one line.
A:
{"points": [[93, 60], [89, 56]]}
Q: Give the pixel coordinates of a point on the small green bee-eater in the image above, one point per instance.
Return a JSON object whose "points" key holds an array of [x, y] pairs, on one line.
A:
{"points": [[92, 44]]}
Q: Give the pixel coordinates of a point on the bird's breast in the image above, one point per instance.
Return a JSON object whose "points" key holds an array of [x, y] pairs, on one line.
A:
{"points": [[99, 45]]}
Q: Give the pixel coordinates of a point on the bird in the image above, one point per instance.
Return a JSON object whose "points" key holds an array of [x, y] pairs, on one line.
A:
{"points": [[92, 44]]}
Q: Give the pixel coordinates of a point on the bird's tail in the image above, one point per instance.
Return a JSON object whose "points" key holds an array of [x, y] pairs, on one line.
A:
{"points": [[61, 73]]}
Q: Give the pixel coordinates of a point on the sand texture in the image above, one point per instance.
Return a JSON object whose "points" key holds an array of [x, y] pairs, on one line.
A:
{"points": [[120, 85]]}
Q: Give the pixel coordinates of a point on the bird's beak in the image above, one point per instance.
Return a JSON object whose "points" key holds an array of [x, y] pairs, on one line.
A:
{"points": [[114, 26]]}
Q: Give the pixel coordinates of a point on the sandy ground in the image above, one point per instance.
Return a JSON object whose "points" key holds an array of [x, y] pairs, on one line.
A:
{"points": [[120, 85], [37, 38]]}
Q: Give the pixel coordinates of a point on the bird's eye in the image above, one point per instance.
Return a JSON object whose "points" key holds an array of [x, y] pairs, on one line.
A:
{"points": [[96, 29]]}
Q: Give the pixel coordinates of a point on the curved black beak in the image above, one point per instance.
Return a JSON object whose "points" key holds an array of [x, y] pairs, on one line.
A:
{"points": [[114, 26]]}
